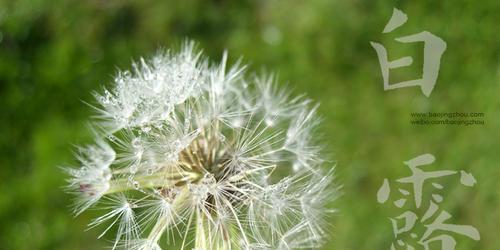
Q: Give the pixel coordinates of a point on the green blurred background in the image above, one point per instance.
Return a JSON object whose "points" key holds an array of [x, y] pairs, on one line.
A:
{"points": [[54, 53]]}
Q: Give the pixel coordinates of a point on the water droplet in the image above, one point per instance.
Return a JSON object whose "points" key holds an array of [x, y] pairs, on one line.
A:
{"points": [[146, 129], [136, 142], [222, 138], [133, 168], [138, 153], [177, 144], [269, 122], [208, 179], [237, 123], [158, 125]]}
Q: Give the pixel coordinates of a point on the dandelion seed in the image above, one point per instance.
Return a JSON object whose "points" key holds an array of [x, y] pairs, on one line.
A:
{"points": [[193, 151]]}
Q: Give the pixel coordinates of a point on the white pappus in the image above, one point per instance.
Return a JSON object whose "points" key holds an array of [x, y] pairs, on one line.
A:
{"points": [[192, 155]]}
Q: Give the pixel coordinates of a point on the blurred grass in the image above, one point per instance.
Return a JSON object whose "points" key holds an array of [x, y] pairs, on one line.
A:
{"points": [[54, 53]]}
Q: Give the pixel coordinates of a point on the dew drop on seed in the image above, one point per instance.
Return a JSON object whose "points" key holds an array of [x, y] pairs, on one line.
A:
{"points": [[208, 180], [170, 156], [159, 125], [111, 138], [177, 144], [221, 137], [136, 143], [146, 129], [138, 153], [133, 168]]}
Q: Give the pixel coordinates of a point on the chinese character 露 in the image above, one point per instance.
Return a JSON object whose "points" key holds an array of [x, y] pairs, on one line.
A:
{"points": [[434, 219]]}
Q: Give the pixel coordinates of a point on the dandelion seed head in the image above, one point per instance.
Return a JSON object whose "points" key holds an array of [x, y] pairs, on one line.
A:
{"points": [[200, 152]]}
